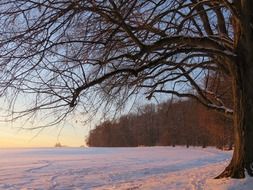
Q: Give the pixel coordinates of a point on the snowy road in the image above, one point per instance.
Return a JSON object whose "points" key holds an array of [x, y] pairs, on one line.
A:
{"points": [[116, 168]]}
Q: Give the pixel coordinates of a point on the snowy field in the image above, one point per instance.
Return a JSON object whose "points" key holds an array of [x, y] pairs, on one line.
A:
{"points": [[116, 168]]}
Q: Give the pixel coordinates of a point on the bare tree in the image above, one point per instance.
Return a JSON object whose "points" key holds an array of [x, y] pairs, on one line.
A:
{"points": [[71, 54]]}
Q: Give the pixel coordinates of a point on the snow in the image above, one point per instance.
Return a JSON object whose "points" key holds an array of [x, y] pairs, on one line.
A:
{"points": [[116, 168]]}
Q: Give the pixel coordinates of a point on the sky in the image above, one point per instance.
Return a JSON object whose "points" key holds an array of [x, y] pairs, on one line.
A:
{"points": [[72, 133], [11, 136]]}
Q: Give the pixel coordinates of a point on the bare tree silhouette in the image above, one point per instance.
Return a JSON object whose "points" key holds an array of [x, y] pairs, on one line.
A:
{"points": [[72, 54]]}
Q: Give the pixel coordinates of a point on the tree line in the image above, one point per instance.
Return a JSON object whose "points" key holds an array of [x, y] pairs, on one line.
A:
{"points": [[81, 56], [167, 124]]}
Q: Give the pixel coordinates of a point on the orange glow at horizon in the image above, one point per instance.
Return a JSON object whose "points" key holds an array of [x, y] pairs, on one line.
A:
{"points": [[15, 138]]}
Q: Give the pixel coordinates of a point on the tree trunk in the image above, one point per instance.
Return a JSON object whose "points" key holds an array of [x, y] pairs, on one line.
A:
{"points": [[243, 97], [236, 167], [247, 43]]}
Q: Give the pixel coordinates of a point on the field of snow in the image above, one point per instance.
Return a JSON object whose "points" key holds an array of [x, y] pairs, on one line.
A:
{"points": [[116, 168]]}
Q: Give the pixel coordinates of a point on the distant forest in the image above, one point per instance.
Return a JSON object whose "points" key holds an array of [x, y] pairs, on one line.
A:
{"points": [[167, 124], [186, 122]]}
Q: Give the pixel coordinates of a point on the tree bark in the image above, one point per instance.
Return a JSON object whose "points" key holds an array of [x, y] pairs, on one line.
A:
{"points": [[247, 43], [236, 167], [242, 72]]}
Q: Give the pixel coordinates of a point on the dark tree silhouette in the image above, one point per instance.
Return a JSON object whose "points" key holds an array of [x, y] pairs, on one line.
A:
{"points": [[69, 54]]}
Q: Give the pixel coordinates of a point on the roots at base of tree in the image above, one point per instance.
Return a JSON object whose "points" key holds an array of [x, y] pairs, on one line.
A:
{"points": [[232, 172], [249, 168]]}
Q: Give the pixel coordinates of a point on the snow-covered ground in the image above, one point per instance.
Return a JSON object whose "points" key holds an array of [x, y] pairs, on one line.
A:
{"points": [[116, 168]]}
